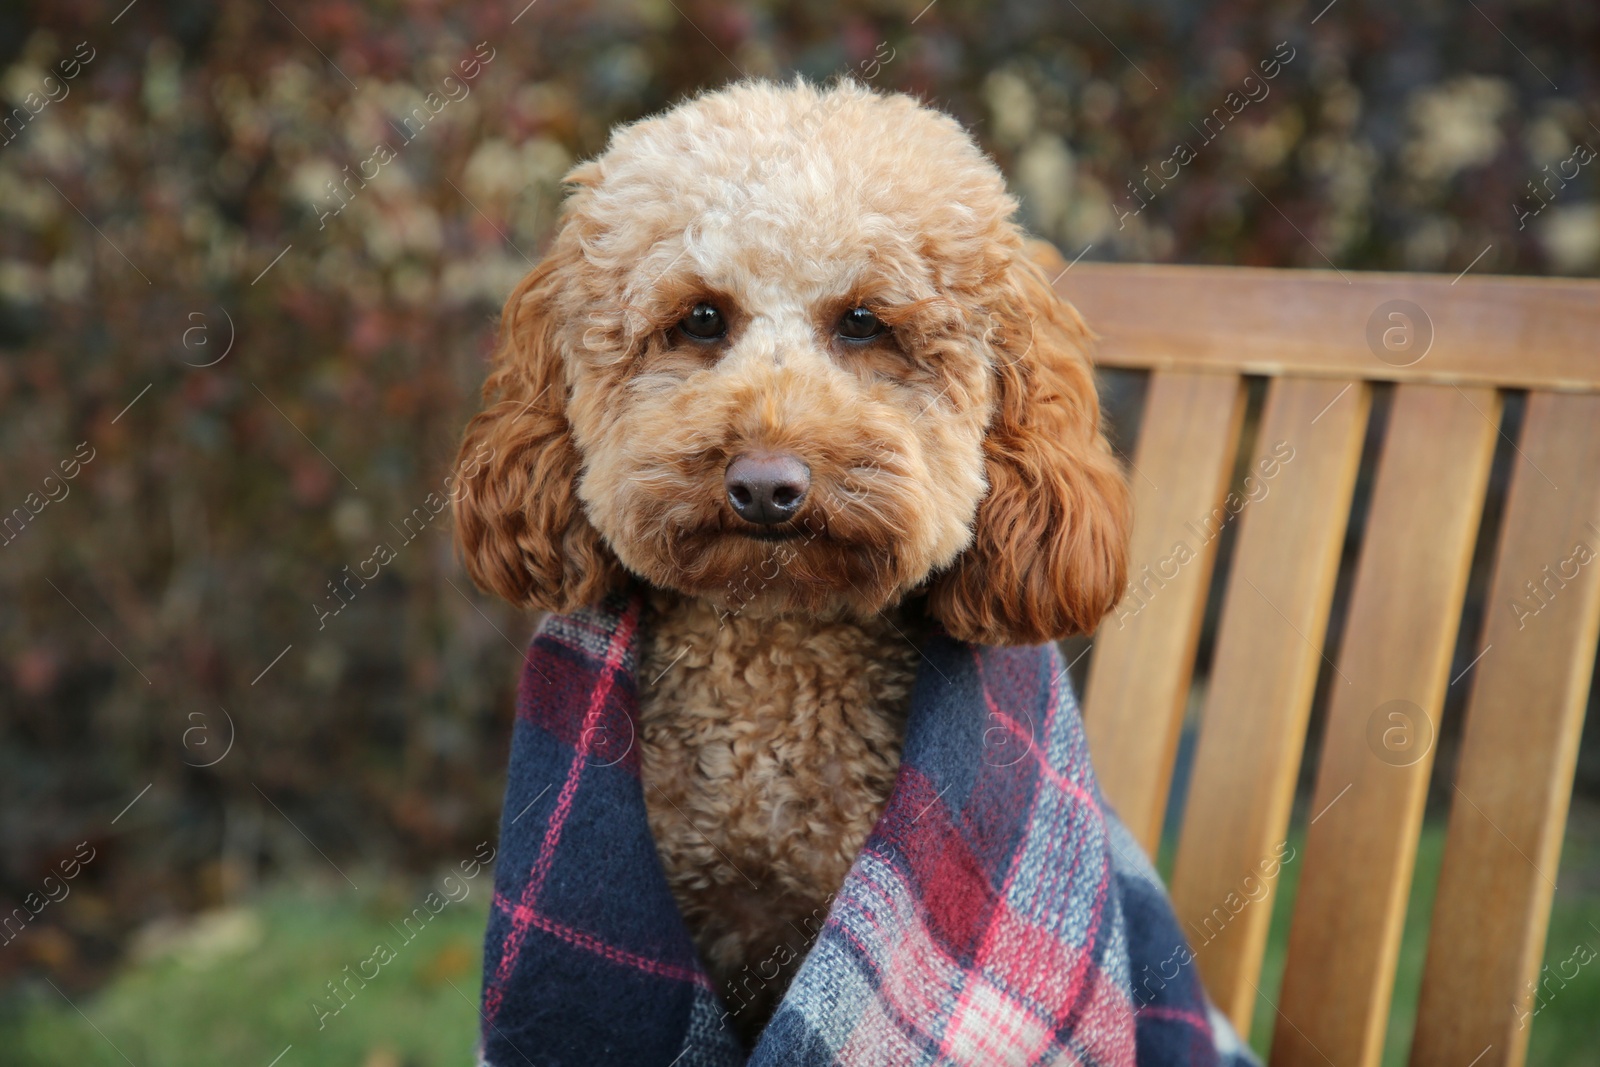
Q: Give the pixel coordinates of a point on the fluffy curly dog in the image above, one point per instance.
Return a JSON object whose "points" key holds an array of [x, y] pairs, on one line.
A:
{"points": [[789, 363]]}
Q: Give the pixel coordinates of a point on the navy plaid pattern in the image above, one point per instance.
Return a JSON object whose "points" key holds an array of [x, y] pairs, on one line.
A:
{"points": [[997, 914]]}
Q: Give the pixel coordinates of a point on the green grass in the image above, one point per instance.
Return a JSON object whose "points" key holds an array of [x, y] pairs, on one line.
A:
{"points": [[237, 988]]}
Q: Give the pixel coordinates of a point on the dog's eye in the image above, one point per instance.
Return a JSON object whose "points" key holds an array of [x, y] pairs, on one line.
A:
{"points": [[859, 324], [703, 323]]}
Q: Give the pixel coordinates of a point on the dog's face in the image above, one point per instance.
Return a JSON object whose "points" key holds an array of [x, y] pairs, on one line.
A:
{"points": [[787, 353]]}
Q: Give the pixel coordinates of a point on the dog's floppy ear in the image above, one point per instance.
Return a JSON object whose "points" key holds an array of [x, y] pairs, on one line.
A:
{"points": [[1049, 551], [519, 524]]}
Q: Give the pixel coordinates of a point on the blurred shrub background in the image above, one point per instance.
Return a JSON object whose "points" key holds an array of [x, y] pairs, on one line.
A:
{"points": [[270, 389]]}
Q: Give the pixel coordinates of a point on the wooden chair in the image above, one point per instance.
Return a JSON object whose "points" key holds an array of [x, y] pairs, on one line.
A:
{"points": [[1321, 339]]}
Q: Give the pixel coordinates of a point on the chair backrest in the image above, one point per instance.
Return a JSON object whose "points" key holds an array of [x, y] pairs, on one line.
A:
{"points": [[1452, 348]]}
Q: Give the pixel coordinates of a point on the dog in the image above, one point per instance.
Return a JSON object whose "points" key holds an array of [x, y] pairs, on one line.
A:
{"points": [[790, 364]]}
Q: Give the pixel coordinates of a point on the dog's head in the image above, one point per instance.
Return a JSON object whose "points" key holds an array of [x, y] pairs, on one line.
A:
{"points": [[787, 352]]}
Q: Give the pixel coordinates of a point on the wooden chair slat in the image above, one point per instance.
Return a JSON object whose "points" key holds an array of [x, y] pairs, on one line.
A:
{"points": [[1275, 322], [1144, 653], [1514, 777], [1383, 716], [1267, 655]]}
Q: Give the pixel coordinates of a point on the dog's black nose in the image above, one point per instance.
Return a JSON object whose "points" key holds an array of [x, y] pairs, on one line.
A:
{"points": [[766, 487]]}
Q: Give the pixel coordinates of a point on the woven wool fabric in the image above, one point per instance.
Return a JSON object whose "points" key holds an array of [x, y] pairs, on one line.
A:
{"points": [[997, 914]]}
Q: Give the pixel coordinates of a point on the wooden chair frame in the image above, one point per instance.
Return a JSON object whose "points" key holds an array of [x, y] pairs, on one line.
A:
{"points": [[1453, 348]]}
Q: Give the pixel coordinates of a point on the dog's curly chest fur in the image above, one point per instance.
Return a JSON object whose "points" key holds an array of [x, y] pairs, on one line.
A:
{"points": [[769, 747]]}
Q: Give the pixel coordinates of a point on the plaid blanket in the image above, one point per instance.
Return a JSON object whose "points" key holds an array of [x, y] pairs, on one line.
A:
{"points": [[997, 914]]}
